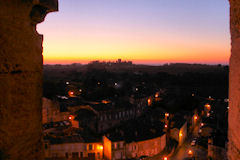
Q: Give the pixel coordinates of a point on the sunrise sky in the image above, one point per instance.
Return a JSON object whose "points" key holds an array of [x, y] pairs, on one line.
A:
{"points": [[144, 31]]}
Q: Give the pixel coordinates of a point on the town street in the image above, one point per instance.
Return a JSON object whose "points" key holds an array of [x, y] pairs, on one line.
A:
{"points": [[182, 153]]}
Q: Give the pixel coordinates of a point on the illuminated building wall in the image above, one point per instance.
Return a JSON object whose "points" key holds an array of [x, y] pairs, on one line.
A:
{"points": [[74, 150], [148, 147], [107, 148], [179, 133]]}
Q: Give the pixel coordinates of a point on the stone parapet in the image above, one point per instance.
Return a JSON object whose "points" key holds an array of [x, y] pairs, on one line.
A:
{"points": [[21, 78], [234, 83]]}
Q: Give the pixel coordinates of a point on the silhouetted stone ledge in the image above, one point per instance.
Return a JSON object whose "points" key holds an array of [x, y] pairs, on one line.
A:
{"points": [[234, 83], [21, 78]]}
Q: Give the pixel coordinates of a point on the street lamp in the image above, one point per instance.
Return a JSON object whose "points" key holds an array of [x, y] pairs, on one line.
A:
{"points": [[180, 134], [71, 93], [149, 102], [165, 158], [208, 106], [70, 117], [190, 152], [166, 114], [195, 117], [100, 147]]}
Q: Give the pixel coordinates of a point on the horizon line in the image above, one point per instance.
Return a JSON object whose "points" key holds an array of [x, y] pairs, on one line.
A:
{"points": [[140, 63]]}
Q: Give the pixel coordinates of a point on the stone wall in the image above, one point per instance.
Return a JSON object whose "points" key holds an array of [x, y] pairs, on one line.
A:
{"points": [[234, 83], [51, 112], [21, 78]]}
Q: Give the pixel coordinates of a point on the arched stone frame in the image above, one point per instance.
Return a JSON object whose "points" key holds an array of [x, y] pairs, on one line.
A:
{"points": [[21, 78]]}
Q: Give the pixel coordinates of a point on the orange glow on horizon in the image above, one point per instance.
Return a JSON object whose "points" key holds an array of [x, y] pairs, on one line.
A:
{"points": [[66, 60], [142, 53]]}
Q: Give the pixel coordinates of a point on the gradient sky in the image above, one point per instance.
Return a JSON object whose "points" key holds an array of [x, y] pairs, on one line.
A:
{"points": [[145, 31]]}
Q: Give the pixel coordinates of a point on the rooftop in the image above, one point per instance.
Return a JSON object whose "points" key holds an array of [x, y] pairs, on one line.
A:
{"points": [[136, 130], [74, 136]]}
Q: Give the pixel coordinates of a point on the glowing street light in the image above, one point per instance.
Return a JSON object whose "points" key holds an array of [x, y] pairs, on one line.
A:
{"points": [[195, 117], [149, 101], [165, 126], [70, 93], [70, 117], [166, 114], [180, 134], [100, 147], [208, 106], [165, 158], [190, 152]]}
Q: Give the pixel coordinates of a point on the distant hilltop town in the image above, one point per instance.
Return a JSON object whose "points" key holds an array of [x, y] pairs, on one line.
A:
{"points": [[120, 66], [119, 61]]}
